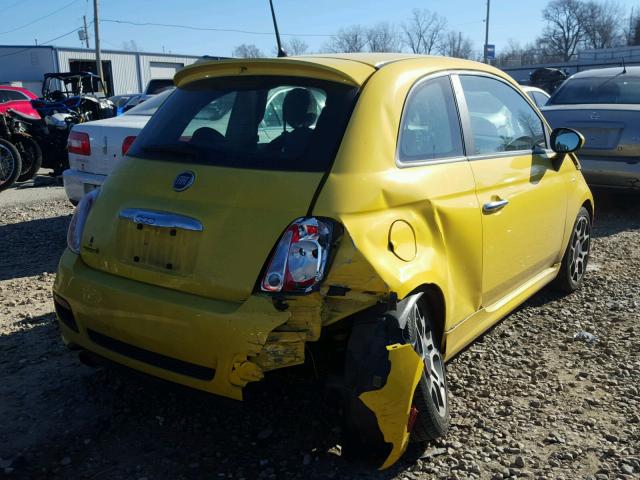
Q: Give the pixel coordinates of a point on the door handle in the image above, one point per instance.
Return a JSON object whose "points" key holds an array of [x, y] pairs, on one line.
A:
{"points": [[494, 206]]}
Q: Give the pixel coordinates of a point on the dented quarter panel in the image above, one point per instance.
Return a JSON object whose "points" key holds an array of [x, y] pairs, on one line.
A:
{"points": [[367, 192]]}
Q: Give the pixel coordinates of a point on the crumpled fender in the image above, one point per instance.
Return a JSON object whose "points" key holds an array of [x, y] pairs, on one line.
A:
{"points": [[392, 403], [381, 375]]}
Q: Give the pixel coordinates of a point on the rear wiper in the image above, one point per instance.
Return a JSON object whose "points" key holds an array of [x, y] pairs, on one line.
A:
{"points": [[172, 148]]}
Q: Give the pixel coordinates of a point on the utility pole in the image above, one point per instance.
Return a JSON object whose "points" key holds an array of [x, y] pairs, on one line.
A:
{"points": [[486, 34], [86, 32], [96, 26]]}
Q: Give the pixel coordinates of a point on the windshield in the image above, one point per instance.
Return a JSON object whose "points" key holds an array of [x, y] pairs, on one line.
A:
{"points": [[268, 123], [149, 107], [621, 88]]}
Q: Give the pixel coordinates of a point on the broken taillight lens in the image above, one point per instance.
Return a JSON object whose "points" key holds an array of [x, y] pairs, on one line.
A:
{"points": [[299, 261]]}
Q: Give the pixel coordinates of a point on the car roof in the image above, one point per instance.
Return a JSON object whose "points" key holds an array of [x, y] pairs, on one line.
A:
{"points": [[608, 72], [351, 68]]}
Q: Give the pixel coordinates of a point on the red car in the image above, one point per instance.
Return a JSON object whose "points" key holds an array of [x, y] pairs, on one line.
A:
{"points": [[17, 98]]}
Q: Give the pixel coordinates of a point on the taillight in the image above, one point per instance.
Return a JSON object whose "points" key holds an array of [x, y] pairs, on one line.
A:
{"points": [[299, 261], [78, 220], [126, 144], [78, 142]]}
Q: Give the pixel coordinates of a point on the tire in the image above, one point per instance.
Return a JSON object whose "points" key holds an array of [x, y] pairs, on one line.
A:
{"points": [[431, 398], [367, 360], [31, 155], [574, 262], [10, 164]]}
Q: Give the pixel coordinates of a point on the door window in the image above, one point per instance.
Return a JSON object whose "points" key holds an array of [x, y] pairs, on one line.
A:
{"points": [[501, 119], [430, 127]]}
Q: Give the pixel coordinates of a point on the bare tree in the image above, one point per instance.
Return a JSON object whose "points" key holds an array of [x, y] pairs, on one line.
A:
{"points": [[565, 28], [383, 37], [602, 28], [348, 40], [424, 32], [247, 51], [295, 46], [455, 44]]}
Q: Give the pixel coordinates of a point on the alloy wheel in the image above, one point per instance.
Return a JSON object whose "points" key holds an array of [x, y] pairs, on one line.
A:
{"points": [[433, 362], [579, 253]]}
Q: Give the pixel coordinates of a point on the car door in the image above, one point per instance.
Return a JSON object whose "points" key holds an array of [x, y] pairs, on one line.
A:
{"points": [[439, 181], [521, 195]]}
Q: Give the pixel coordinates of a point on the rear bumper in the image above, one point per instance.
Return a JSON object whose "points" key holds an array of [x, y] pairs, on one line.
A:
{"points": [[77, 183], [618, 173], [202, 343]]}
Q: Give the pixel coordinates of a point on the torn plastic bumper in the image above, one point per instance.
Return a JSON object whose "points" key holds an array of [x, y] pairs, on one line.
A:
{"points": [[381, 376], [392, 403], [203, 343]]}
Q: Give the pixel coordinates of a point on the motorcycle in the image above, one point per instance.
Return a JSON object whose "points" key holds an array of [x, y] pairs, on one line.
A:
{"points": [[15, 132]]}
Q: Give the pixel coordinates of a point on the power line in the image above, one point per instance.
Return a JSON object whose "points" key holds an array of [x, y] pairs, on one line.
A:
{"points": [[208, 29], [39, 18], [43, 43]]}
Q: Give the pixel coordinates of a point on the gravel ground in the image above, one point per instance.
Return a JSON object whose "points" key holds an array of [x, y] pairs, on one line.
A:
{"points": [[528, 399]]}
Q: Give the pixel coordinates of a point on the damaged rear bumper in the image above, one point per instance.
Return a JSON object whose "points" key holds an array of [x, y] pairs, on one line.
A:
{"points": [[206, 344]]}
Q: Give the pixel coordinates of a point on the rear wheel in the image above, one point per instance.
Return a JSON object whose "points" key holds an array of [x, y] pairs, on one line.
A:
{"points": [[10, 164], [31, 156], [431, 396], [574, 263]]}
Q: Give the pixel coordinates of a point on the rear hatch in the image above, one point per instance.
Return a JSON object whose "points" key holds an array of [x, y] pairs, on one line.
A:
{"points": [[609, 130], [106, 138], [241, 212], [216, 176]]}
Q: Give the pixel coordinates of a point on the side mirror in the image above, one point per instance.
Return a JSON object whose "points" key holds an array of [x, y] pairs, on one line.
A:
{"points": [[566, 140]]}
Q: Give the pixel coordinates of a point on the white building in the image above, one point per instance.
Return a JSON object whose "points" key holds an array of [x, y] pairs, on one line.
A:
{"points": [[124, 72]]}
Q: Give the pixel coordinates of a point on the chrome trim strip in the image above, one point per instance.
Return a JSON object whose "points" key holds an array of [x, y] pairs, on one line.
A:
{"points": [[155, 218]]}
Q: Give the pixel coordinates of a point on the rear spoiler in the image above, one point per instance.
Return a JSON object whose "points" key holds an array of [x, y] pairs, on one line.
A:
{"points": [[339, 70]]}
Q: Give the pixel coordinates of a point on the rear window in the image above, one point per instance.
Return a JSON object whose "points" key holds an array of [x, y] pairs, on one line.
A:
{"points": [[267, 123], [621, 88]]}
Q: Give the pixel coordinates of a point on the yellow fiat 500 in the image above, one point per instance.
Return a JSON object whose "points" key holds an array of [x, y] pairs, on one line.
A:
{"points": [[376, 212]]}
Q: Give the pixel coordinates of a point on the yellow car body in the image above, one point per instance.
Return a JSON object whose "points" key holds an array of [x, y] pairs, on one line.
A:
{"points": [[407, 228]]}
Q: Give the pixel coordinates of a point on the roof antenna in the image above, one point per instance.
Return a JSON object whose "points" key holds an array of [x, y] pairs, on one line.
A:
{"points": [[624, 67], [281, 52]]}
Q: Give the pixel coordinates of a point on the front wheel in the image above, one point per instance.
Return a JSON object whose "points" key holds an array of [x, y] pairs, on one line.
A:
{"points": [[10, 164], [574, 263]]}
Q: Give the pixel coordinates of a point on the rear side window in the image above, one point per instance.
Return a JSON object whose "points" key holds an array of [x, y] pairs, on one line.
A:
{"points": [[501, 119], [620, 88], [270, 123], [430, 127]]}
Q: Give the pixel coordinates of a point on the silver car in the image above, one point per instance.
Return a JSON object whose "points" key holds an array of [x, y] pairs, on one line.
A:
{"points": [[603, 105]]}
